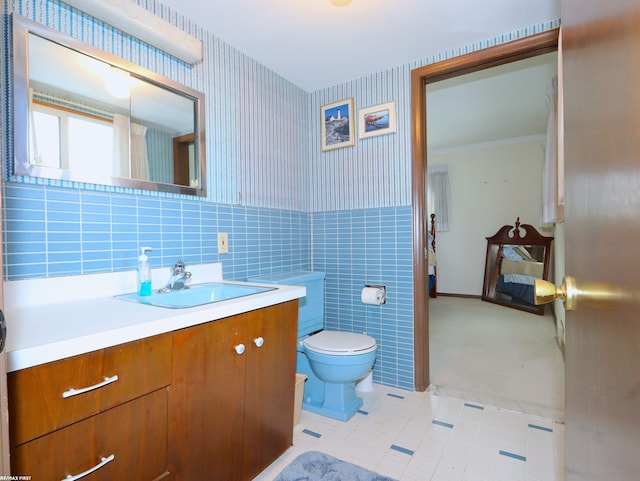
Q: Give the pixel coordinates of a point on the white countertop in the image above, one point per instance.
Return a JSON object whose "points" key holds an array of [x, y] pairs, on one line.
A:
{"points": [[49, 331]]}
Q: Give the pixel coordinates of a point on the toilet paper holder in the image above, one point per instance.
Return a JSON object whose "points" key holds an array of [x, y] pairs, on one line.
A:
{"points": [[384, 291]]}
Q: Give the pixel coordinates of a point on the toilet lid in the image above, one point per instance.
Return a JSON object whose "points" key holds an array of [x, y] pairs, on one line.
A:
{"points": [[345, 343]]}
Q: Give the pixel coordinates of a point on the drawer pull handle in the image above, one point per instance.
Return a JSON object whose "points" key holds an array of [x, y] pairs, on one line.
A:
{"points": [[239, 349], [75, 392], [102, 462], [258, 341]]}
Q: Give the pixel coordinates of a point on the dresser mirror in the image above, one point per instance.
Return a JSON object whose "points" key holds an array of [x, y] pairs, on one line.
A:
{"points": [[516, 255], [84, 115]]}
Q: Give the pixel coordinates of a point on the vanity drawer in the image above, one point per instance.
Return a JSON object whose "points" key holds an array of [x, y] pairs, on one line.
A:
{"points": [[134, 433], [41, 398]]}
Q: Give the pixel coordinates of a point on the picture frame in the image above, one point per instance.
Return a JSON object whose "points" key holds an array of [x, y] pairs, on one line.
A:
{"points": [[377, 120], [338, 125]]}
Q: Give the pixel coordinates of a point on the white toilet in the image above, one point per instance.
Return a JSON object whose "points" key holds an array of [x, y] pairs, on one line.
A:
{"points": [[332, 360]]}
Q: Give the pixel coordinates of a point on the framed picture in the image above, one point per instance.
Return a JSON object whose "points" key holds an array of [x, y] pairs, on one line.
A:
{"points": [[377, 120], [338, 121]]}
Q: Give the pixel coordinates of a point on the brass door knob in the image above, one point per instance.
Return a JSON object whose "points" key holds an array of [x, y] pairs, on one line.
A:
{"points": [[546, 292], [595, 293]]}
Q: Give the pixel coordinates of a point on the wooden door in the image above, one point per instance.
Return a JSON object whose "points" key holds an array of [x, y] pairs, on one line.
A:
{"points": [[270, 385], [183, 159], [601, 67]]}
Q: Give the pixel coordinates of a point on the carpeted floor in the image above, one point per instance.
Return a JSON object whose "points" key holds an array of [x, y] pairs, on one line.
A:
{"points": [[317, 466], [495, 355]]}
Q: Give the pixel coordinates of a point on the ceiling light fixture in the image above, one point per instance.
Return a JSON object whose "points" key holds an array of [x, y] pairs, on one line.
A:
{"points": [[139, 22], [340, 3]]}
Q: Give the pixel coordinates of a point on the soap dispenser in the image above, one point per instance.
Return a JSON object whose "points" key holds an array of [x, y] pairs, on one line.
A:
{"points": [[144, 273]]}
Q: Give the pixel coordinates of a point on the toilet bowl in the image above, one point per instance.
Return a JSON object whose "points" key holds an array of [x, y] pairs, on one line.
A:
{"points": [[332, 360]]}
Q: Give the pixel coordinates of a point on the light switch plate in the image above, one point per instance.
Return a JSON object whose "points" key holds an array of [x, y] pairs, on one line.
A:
{"points": [[223, 243]]}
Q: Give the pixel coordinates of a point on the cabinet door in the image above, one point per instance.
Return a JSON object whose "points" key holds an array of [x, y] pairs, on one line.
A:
{"points": [[231, 407], [206, 403], [270, 385], [134, 433]]}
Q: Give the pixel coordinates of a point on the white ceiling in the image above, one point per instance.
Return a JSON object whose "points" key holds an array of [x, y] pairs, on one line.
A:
{"points": [[494, 105], [317, 45]]}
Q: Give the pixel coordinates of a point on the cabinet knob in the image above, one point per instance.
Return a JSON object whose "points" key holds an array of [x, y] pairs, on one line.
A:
{"points": [[239, 349], [258, 341]]}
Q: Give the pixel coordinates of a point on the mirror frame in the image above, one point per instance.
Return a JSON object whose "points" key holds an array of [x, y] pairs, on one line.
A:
{"points": [[511, 235], [22, 27]]}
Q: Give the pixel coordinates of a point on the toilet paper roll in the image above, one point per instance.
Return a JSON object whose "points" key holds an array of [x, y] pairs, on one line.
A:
{"points": [[372, 295]]}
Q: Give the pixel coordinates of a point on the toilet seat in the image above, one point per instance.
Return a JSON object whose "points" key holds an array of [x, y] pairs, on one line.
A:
{"points": [[340, 343]]}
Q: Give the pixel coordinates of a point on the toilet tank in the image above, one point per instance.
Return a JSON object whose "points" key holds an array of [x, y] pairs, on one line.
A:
{"points": [[311, 307]]}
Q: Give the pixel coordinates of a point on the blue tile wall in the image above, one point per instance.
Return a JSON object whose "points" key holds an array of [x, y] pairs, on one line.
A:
{"points": [[52, 231], [370, 246]]}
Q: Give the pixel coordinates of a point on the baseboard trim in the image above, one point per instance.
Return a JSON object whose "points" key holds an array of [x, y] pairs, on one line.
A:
{"points": [[465, 296]]}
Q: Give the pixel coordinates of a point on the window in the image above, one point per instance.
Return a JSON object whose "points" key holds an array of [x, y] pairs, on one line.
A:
{"points": [[66, 139], [439, 196], [46, 140]]}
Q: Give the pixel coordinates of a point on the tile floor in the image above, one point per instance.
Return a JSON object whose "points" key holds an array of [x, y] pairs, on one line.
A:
{"points": [[412, 436]]}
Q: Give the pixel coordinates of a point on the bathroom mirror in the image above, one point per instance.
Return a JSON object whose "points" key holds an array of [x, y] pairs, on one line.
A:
{"points": [[83, 115], [516, 255]]}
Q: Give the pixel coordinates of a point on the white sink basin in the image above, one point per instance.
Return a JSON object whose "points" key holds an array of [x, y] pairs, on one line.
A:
{"points": [[196, 295]]}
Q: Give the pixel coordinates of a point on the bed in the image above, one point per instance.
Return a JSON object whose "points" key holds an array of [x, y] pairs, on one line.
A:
{"points": [[513, 263], [517, 272]]}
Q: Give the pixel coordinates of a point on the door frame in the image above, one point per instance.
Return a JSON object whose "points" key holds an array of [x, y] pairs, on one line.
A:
{"points": [[520, 49]]}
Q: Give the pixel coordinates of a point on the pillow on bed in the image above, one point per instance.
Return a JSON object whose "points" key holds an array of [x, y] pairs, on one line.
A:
{"points": [[522, 267], [524, 253]]}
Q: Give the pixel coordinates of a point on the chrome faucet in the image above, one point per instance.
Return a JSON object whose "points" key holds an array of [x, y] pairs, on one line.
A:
{"points": [[178, 279]]}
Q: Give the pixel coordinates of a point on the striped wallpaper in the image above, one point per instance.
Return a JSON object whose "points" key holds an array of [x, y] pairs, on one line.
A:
{"points": [[377, 171], [285, 203], [256, 122], [263, 133]]}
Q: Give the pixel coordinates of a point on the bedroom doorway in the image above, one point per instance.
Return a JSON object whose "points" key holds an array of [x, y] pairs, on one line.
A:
{"points": [[503, 54], [487, 129]]}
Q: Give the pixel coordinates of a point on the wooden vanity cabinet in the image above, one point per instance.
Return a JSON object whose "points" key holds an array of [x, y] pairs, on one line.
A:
{"points": [[56, 432], [212, 401], [127, 442], [232, 393]]}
